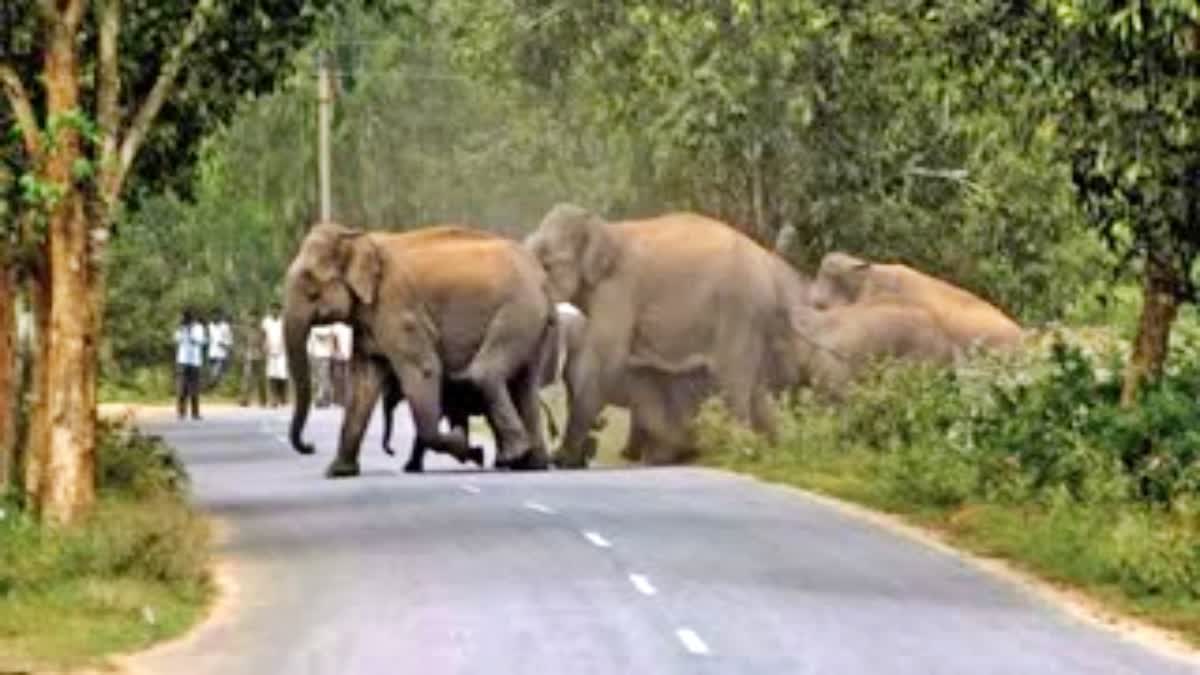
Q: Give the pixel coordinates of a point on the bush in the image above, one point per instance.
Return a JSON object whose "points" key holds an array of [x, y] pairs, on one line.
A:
{"points": [[136, 465]]}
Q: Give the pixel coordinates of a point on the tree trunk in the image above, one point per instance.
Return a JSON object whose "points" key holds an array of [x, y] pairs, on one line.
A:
{"points": [[1160, 305], [36, 436], [8, 375], [67, 487]]}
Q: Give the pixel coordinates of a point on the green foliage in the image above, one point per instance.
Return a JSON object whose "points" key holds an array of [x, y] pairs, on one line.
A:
{"points": [[135, 465], [1121, 84], [849, 125]]}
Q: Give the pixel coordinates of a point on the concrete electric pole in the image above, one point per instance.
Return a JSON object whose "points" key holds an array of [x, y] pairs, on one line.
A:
{"points": [[324, 122]]}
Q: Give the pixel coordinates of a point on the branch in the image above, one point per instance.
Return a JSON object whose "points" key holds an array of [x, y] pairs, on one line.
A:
{"points": [[22, 109], [68, 17], [107, 98], [158, 93]]}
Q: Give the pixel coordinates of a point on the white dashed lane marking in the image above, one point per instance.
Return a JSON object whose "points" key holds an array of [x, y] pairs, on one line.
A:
{"points": [[642, 584], [467, 487], [597, 540], [539, 507], [691, 641]]}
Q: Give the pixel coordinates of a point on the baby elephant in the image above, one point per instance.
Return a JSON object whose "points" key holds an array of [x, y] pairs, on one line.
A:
{"points": [[967, 319], [460, 400], [837, 344]]}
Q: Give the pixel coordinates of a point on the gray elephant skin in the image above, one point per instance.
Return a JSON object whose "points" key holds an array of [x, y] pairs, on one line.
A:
{"points": [[460, 400], [434, 304], [966, 318], [680, 307], [838, 344]]}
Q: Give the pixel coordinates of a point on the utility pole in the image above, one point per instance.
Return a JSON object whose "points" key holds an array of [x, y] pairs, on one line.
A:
{"points": [[324, 121]]}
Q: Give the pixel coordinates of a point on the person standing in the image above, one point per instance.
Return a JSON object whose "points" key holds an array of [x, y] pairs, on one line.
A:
{"points": [[343, 347], [254, 380], [189, 357], [220, 341], [320, 352], [273, 345]]}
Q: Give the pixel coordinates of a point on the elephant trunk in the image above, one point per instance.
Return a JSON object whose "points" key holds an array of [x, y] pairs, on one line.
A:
{"points": [[295, 333]]}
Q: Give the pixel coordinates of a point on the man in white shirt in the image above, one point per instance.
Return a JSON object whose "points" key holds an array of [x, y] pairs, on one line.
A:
{"points": [[220, 341], [189, 356], [343, 347], [320, 353], [273, 346]]}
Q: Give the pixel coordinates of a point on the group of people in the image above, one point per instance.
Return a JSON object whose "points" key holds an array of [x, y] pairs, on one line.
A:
{"points": [[197, 343], [209, 346]]}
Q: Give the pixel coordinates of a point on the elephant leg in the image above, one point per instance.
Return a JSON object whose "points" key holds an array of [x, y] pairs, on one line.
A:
{"points": [[392, 396], [511, 438], [460, 420], [677, 397], [498, 359], [635, 443], [649, 415], [525, 393], [367, 377], [762, 414], [599, 366], [416, 457], [423, 389]]}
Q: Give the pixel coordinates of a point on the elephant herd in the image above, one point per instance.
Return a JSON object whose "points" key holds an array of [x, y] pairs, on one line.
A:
{"points": [[672, 310]]}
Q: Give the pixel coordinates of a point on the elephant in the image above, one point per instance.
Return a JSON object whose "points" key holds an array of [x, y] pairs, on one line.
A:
{"points": [[837, 344], [680, 307], [460, 400], [967, 319], [433, 304]]}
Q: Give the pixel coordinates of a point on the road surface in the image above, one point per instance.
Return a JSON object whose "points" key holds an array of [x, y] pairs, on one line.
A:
{"points": [[677, 570]]}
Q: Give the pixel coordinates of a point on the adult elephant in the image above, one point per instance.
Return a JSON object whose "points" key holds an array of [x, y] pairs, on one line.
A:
{"points": [[679, 307], [461, 401], [967, 319], [431, 304], [837, 344]]}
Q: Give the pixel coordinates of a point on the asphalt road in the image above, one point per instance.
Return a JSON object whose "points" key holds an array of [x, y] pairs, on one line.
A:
{"points": [[602, 571]]}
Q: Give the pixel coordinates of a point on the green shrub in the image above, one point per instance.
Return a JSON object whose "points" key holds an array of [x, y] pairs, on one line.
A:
{"points": [[133, 464]]}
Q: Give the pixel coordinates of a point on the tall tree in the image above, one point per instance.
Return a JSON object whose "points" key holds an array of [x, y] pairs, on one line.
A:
{"points": [[101, 92], [1120, 82]]}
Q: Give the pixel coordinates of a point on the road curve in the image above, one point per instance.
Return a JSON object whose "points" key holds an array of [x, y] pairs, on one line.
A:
{"points": [[603, 571]]}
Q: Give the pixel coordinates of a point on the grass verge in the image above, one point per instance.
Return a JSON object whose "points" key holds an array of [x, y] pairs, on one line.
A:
{"points": [[136, 572]]}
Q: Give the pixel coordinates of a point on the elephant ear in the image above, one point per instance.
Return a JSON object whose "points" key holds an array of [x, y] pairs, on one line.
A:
{"points": [[362, 266], [599, 252]]}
